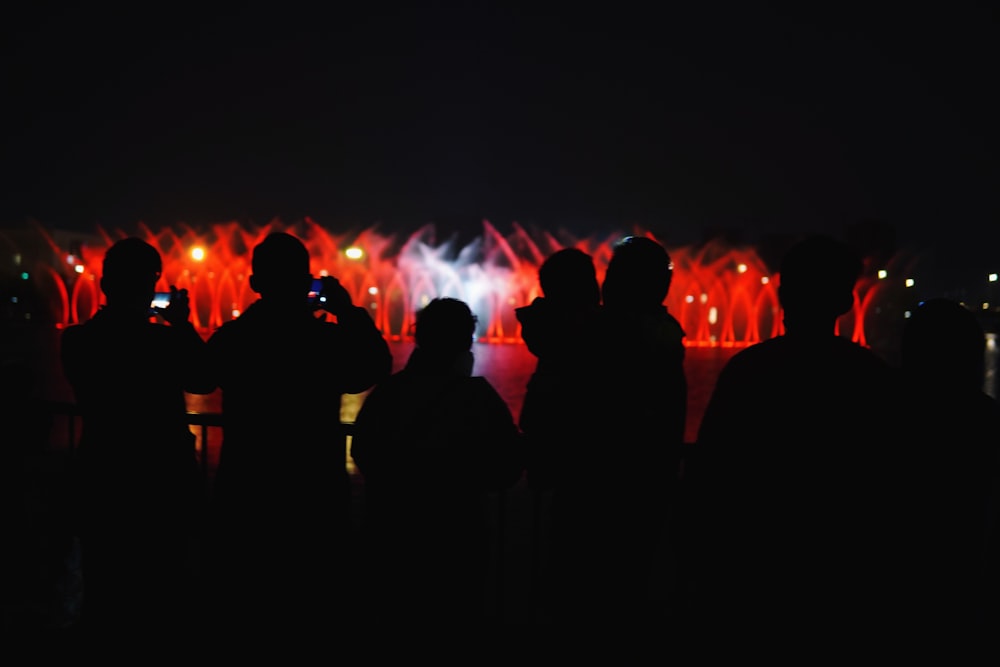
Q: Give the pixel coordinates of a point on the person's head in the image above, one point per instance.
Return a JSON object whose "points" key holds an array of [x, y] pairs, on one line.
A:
{"points": [[129, 274], [638, 274], [569, 276], [445, 327], [943, 342], [280, 268], [817, 277]]}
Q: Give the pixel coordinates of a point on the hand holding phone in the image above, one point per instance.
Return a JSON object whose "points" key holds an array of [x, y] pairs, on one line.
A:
{"points": [[172, 306], [316, 296], [327, 293], [160, 301]]}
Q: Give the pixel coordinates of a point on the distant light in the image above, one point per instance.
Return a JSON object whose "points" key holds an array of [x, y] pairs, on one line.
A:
{"points": [[713, 315], [882, 274], [909, 282], [78, 268], [704, 298], [741, 268], [373, 290], [17, 259], [993, 277], [373, 305], [986, 305], [13, 299], [323, 273], [764, 280], [689, 298], [236, 313], [907, 314], [24, 275], [71, 259], [354, 252], [197, 253]]}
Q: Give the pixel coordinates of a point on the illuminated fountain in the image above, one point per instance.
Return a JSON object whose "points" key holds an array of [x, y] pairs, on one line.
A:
{"points": [[722, 295]]}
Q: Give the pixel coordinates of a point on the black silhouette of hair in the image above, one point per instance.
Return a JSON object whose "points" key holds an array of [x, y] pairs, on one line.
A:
{"points": [[280, 254], [818, 275], [569, 275], [131, 267], [445, 325], [639, 273]]}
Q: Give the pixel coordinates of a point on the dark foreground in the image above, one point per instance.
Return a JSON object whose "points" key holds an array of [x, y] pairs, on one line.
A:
{"points": [[43, 599]]}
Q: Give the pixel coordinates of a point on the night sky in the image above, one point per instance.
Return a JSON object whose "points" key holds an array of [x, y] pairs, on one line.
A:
{"points": [[676, 120]]}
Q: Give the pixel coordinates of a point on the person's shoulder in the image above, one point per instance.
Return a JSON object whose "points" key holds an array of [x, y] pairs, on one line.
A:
{"points": [[835, 347], [78, 333], [539, 314], [73, 331], [850, 346], [477, 388], [770, 358], [224, 331], [668, 329], [399, 383], [480, 399], [756, 352], [479, 383], [537, 305], [861, 355], [254, 318]]}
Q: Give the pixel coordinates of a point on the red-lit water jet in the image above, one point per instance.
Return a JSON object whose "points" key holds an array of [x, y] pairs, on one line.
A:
{"points": [[721, 295]]}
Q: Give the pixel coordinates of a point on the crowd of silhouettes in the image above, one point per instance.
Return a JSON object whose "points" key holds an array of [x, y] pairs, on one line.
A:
{"points": [[827, 490]]}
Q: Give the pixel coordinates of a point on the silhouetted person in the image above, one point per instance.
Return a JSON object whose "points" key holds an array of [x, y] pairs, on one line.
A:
{"points": [[793, 478], [558, 328], [956, 452], [281, 495], [140, 489], [432, 442], [610, 508]]}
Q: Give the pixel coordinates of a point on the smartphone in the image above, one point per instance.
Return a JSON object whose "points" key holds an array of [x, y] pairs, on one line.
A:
{"points": [[160, 300], [316, 292]]}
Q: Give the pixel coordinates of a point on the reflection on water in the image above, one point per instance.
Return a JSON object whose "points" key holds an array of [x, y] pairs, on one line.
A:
{"points": [[990, 383]]}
